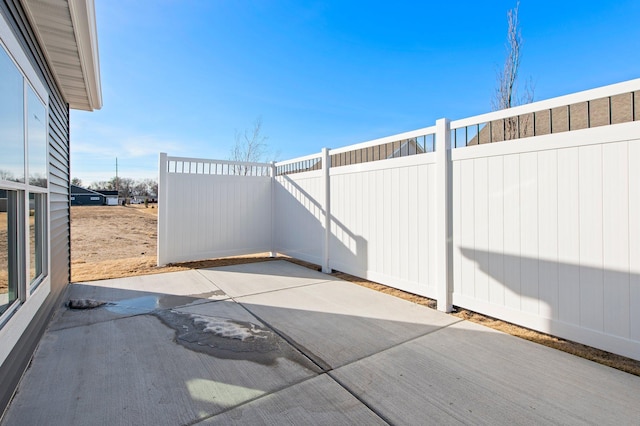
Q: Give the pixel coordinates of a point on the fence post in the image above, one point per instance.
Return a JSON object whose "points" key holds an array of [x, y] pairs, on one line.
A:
{"points": [[444, 225], [162, 209], [326, 167], [272, 172]]}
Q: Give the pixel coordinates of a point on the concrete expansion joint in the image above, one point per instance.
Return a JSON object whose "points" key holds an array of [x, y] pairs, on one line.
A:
{"points": [[268, 291], [360, 399], [317, 361], [404, 342], [249, 401]]}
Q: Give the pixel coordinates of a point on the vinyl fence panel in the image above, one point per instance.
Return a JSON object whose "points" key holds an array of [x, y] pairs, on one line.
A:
{"points": [[544, 231], [207, 212], [383, 222], [299, 230]]}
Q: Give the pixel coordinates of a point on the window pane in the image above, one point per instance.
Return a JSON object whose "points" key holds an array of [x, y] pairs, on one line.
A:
{"points": [[11, 120], [36, 139], [8, 249], [37, 245]]}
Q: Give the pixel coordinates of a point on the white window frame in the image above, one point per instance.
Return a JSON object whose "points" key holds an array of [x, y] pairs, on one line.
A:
{"points": [[31, 296]]}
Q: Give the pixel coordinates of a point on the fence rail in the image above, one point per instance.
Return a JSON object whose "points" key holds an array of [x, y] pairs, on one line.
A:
{"points": [[202, 166], [615, 104]]}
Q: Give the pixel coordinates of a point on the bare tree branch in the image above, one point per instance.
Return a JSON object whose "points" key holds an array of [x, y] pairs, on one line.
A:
{"points": [[506, 95], [250, 147], [506, 79]]}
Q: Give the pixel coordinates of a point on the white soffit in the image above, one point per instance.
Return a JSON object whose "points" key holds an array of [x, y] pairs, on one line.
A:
{"points": [[66, 30]]}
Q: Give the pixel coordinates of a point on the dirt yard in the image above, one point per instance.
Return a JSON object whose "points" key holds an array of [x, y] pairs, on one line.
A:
{"points": [[4, 250], [113, 242], [116, 241]]}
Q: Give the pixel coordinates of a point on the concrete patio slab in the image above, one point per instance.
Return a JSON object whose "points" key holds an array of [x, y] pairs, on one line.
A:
{"points": [[310, 351], [318, 401], [470, 374], [219, 309], [133, 368], [336, 322], [182, 283], [135, 296], [252, 278]]}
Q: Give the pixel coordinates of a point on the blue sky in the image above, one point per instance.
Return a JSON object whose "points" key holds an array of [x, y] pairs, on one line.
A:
{"points": [[182, 76]]}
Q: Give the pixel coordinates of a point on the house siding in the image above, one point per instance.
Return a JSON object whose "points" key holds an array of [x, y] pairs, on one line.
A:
{"points": [[87, 200], [59, 164], [86, 197]]}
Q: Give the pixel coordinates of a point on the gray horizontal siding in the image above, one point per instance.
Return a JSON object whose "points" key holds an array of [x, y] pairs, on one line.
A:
{"points": [[13, 367]]}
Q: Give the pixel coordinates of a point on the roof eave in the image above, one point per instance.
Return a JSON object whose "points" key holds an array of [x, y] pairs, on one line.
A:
{"points": [[84, 25], [83, 40]]}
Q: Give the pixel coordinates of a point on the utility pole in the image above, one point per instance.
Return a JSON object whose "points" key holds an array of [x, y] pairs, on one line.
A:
{"points": [[117, 181]]}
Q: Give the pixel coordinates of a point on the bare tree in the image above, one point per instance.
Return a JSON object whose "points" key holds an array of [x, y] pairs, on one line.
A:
{"points": [[145, 188], [250, 147], [6, 175], [76, 181], [100, 185], [506, 94], [124, 186], [153, 187]]}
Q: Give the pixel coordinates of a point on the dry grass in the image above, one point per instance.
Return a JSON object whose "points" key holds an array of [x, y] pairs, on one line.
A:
{"points": [[607, 358], [102, 234], [121, 268], [99, 251]]}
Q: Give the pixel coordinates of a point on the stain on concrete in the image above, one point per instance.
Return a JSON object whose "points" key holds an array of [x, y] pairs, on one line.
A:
{"points": [[142, 304], [85, 303], [217, 293], [148, 304], [136, 304], [230, 339]]}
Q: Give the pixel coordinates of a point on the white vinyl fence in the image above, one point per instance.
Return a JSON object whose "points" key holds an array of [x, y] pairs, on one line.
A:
{"points": [[299, 221], [541, 229], [212, 208], [383, 221]]}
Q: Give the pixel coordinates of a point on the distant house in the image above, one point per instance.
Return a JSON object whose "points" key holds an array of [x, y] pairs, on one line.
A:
{"points": [[86, 197], [3, 201], [111, 197], [48, 65]]}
